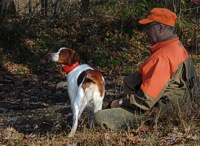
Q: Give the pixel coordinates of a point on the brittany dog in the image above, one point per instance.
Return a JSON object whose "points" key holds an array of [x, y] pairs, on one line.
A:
{"points": [[86, 86]]}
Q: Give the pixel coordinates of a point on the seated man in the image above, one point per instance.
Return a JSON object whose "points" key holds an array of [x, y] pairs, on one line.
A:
{"points": [[164, 80]]}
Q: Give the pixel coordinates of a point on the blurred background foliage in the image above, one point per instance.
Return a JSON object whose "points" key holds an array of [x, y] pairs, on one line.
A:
{"points": [[107, 36], [106, 33]]}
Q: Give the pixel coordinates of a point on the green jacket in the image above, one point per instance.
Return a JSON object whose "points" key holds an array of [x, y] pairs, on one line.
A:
{"points": [[177, 88]]}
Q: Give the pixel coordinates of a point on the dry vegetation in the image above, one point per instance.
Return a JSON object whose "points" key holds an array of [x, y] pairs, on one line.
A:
{"points": [[33, 112]]}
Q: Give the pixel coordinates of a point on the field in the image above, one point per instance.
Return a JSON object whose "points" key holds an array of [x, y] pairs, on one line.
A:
{"points": [[34, 112]]}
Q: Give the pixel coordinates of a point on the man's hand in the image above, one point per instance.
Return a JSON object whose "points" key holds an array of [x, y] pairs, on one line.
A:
{"points": [[116, 103]]}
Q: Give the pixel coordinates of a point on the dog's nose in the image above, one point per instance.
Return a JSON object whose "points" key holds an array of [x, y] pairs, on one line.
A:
{"points": [[50, 56]]}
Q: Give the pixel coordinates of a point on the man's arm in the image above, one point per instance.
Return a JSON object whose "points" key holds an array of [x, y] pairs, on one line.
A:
{"points": [[135, 101]]}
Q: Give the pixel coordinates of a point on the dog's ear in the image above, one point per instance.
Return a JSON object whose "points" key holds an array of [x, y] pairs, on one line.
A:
{"points": [[73, 57]]}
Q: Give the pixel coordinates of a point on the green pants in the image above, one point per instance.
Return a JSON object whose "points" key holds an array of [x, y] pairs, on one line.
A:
{"points": [[118, 119], [121, 118]]}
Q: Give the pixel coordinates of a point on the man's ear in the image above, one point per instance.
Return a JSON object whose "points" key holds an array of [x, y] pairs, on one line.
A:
{"points": [[162, 28]]}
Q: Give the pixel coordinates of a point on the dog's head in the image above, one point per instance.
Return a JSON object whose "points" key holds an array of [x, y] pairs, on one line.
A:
{"points": [[65, 56]]}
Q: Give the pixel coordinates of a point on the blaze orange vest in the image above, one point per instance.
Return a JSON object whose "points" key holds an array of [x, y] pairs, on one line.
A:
{"points": [[159, 67]]}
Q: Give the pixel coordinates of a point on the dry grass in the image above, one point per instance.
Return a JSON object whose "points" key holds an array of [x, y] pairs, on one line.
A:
{"points": [[181, 127], [33, 112]]}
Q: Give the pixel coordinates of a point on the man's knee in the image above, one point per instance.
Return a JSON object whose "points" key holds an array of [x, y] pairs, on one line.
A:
{"points": [[103, 119], [115, 119]]}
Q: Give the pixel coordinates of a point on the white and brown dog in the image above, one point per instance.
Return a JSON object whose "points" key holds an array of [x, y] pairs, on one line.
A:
{"points": [[86, 86]]}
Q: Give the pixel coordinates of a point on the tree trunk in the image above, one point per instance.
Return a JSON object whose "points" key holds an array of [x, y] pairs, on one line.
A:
{"points": [[30, 6], [44, 7], [57, 7], [85, 6], [7, 8]]}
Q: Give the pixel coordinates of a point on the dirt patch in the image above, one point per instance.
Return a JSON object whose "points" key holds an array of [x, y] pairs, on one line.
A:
{"points": [[32, 104]]}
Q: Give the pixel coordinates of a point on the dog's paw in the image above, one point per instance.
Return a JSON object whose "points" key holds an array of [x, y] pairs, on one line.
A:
{"points": [[71, 134], [90, 124]]}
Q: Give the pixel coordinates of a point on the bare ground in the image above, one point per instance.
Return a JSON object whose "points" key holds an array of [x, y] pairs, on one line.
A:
{"points": [[34, 112], [32, 104]]}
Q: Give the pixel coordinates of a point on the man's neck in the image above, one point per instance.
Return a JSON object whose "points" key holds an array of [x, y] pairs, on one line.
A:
{"points": [[169, 37]]}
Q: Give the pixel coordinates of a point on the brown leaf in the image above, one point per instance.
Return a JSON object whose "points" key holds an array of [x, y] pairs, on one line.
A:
{"points": [[143, 128]]}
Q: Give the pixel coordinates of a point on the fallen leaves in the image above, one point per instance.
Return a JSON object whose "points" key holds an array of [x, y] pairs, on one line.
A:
{"points": [[112, 138], [178, 138], [15, 68]]}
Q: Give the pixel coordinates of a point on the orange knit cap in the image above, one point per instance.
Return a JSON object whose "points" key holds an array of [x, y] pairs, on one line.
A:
{"points": [[161, 15]]}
